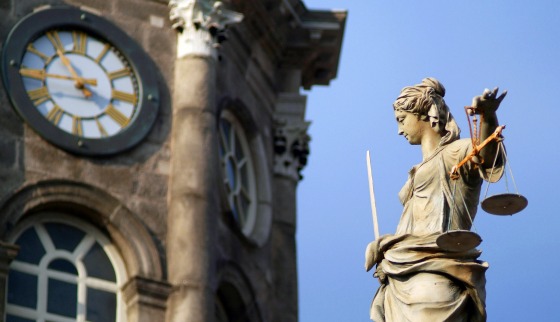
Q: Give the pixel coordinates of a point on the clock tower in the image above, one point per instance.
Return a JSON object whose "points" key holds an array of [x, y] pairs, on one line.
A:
{"points": [[151, 152]]}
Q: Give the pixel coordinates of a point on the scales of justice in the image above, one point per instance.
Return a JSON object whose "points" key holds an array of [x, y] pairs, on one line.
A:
{"points": [[429, 269], [502, 204]]}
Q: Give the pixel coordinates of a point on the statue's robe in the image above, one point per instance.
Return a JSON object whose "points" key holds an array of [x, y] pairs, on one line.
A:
{"points": [[419, 280]]}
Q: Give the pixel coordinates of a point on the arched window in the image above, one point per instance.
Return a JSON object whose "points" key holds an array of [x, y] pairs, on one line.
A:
{"points": [[66, 270], [229, 305], [238, 172]]}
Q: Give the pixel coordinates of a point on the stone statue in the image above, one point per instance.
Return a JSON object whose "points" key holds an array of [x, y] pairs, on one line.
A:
{"points": [[421, 281]]}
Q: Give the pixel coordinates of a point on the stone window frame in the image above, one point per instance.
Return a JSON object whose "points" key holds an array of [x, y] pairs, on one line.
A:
{"points": [[257, 230], [146, 290], [91, 232], [238, 172]]}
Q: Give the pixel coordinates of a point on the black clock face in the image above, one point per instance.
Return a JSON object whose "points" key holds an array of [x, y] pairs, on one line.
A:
{"points": [[79, 81]]}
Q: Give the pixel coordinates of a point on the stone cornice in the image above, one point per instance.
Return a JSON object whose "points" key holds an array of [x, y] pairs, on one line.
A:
{"points": [[317, 45], [296, 37]]}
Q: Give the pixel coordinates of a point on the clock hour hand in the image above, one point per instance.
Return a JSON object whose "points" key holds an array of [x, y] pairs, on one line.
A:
{"points": [[79, 84]]}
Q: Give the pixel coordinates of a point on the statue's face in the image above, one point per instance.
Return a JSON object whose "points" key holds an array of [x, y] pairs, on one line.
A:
{"points": [[411, 126]]}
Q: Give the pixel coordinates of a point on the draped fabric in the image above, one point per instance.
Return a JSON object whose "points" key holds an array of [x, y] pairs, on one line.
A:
{"points": [[419, 280], [422, 282]]}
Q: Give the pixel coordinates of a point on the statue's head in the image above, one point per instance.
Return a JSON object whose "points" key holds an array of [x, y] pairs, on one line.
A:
{"points": [[425, 100]]}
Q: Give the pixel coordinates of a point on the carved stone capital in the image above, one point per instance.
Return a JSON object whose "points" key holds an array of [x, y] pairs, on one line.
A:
{"points": [[201, 25], [291, 141], [291, 147]]}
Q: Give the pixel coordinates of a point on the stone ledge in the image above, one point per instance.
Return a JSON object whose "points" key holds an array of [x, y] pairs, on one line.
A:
{"points": [[144, 291]]}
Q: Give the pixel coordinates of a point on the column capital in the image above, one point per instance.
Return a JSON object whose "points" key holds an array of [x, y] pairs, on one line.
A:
{"points": [[291, 147], [201, 25], [291, 141]]}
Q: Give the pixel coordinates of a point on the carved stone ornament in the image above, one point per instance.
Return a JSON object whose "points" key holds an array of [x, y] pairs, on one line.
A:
{"points": [[291, 147], [201, 25]]}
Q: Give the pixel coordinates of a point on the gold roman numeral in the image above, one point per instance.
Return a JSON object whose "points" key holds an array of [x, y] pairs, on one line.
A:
{"points": [[55, 40], [101, 128], [117, 115], [102, 53], [55, 114], [33, 50], [77, 126], [39, 95], [33, 73], [80, 40], [119, 73], [125, 97]]}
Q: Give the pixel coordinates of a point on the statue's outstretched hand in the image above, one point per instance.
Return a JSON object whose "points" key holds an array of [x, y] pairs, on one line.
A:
{"points": [[488, 102]]}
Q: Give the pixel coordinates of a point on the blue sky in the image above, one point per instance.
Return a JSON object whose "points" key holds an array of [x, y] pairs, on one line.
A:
{"points": [[468, 46]]}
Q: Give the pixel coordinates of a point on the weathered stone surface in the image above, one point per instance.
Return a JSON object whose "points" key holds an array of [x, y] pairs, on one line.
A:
{"points": [[146, 299], [161, 203]]}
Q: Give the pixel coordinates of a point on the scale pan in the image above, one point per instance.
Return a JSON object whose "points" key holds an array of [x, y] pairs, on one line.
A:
{"points": [[504, 204], [458, 240]]}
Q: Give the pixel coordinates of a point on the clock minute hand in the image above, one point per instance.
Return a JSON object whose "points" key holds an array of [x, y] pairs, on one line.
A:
{"points": [[79, 81], [41, 75], [89, 81]]}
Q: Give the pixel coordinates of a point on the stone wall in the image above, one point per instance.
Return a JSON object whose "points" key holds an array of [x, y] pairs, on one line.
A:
{"points": [[138, 177], [126, 195]]}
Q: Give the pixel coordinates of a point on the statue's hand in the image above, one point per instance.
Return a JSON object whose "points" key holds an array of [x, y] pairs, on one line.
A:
{"points": [[380, 274], [488, 102], [372, 254]]}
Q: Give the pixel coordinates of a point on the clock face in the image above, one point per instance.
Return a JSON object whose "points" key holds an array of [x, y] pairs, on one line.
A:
{"points": [[79, 81]]}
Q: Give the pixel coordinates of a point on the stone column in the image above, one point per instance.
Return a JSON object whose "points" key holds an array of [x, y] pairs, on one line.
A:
{"points": [[7, 253], [291, 150], [193, 197]]}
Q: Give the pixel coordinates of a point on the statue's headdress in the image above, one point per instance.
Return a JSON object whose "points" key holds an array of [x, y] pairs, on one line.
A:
{"points": [[426, 100]]}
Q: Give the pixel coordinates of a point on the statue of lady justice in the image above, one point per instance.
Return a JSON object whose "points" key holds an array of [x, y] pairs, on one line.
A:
{"points": [[421, 281]]}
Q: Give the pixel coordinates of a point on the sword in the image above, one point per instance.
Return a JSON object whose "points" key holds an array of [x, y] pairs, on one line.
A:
{"points": [[372, 198]]}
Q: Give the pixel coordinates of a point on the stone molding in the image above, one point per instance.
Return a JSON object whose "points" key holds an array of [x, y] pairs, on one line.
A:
{"points": [[297, 37], [125, 229], [201, 25], [146, 292], [7, 253]]}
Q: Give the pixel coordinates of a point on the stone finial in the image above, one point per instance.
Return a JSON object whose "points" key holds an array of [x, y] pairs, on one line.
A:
{"points": [[291, 147], [201, 25]]}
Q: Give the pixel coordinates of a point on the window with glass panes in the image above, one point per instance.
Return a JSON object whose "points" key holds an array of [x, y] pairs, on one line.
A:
{"points": [[238, 172], [64, 271]]}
